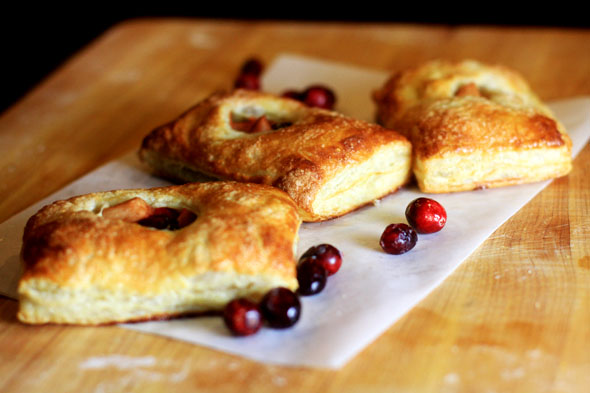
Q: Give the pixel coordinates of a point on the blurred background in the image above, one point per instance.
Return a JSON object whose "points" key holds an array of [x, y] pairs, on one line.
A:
{"points": [[37, 39]]}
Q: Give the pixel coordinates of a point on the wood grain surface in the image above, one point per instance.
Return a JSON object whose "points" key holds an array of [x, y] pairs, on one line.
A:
{"points": [[515, 317]]}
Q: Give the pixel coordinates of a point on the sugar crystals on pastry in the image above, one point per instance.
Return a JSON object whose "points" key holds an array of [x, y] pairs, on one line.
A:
{"points": [[473, 126], [328, 163], [132, 255]]}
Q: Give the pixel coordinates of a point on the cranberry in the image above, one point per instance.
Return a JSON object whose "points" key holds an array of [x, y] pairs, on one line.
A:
{"points": [[252, 66], [311, 276], [281, 308], [426, 215], [319, 96], [326, 255], [185, 218], [161, 218], [248, 82], [242, 317], [398, 239], [293, 94], [168, 218]]}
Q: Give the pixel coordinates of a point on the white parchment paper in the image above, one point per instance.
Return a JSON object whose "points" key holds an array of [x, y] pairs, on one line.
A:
{"points": [[373, 289]]}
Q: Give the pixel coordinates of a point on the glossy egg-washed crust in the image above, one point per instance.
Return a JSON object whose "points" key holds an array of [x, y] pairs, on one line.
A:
{"points": [[244, 236], [298, 159], [426, 105]]}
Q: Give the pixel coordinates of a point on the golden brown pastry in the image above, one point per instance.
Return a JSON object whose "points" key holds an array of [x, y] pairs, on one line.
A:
{"points": [[473, 126], [98, 258], [328, 163]]}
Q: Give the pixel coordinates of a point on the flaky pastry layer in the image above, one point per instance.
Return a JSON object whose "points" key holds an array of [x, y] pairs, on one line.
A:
{"points": [[473, 126], [82, 268], [322, 159]]}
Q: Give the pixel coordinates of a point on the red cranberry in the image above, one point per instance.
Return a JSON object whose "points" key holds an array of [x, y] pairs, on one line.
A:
{"points": [[185, 218], [161, 218], [242, 317], [281, 308], [319, 96], [293, 94], [311, 276], [426, 215], [326, 255], [252, 66], [398, 239], [168, 218], [248, 82]]}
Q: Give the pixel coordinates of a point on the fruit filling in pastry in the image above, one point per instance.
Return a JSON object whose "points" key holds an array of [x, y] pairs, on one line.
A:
{"points": [[139, 211], [256, 124]]}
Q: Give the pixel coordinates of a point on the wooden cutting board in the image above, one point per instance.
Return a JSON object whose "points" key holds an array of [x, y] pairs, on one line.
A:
{"points": [[514, 317]]}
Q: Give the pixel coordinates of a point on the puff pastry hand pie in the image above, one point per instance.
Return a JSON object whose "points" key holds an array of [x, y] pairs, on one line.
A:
{"points": [[98, 258], [473, 126], [328, 163]]}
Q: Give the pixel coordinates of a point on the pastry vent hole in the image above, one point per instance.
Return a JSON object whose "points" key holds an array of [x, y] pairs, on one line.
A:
{"points": [[138, 211], [472, 90], [263, 122]]}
